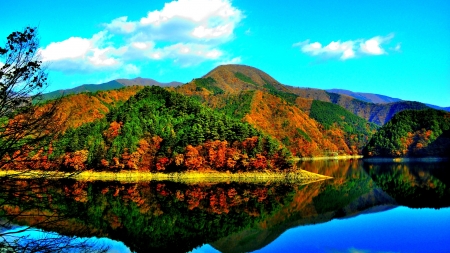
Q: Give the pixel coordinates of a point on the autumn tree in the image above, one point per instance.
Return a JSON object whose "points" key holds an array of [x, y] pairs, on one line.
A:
{"points": [[22, 79], [26, 129]]}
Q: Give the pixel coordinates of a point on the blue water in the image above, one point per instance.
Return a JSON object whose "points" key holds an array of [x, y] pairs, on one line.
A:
{"points": [[398, 230]]}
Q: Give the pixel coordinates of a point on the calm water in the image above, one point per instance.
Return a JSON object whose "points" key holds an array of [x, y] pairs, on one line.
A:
{"points": [[366, 207]]}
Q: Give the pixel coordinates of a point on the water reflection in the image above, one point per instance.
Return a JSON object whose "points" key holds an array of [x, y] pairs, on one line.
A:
{"points": [[230, 217], [413, 184], [146, 216]]}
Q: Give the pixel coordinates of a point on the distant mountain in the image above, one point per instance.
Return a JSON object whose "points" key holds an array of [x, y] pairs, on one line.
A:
{"points": [[447, 109], [377, 98], [379, 114], [83, 88], [146, 82], [366, 97], [111, 85]]}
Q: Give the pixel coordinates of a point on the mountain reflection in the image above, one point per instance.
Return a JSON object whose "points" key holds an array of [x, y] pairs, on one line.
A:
{"points": [[232, 217]]}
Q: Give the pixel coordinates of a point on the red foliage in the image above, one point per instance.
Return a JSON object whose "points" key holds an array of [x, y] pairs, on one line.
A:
{"points": [[76, 160], [161, 163]]}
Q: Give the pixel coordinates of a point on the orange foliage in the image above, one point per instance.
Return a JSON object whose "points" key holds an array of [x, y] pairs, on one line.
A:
{"points": [[287, 122], [76, 159], [113, 131], [75, 110], [192, 158]]}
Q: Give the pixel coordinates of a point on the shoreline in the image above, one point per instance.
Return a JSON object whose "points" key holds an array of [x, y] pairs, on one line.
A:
{"points": [[339, 157], [301, 176], [405, 159]]}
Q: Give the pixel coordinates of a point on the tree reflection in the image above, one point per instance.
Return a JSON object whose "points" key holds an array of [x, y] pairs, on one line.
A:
{"points": [[25, 204], [413, 184], [176, 217], [152, 216]]}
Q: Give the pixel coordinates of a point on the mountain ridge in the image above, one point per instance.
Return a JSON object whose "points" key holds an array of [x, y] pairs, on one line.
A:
{"points": [[111, 85], [379, 99]]}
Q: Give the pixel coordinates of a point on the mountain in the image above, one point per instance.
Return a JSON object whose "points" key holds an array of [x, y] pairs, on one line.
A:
{"points": [[232, 79], [77, 109], [308, 122], [115, 84], [447, 109], [146, 82], [366, 97], [379, 114], [377, 98], [413, 134], [253, 96]]}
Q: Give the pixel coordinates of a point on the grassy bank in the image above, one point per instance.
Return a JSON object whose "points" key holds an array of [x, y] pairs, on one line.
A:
{"points": [[301, 176]]}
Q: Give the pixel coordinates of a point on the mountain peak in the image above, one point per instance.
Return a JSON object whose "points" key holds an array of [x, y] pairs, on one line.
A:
{"points": [[244, 73], [234, 78], [145, 82]]}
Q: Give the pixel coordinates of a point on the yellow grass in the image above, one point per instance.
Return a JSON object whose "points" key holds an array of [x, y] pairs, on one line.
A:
{"points": [[339, 157], [300, 176]]}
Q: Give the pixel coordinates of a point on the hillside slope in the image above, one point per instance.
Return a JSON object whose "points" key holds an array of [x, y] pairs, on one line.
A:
{"points": [[158, 130], [253, 96], [413, 134]]}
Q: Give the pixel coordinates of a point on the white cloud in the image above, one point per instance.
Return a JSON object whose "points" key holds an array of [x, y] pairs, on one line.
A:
{"points": [[120, 25], [195, 10], [397, 48], [72, 48], [219, 31], [187, 54], [187, 32], [372, 46], [80, 54], [186, 21], [131, 69], [235, 60], [347, 49], [143, 45]]}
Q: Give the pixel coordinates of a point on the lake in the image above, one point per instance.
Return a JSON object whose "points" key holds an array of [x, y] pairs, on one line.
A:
{"points": [[365, 207]]}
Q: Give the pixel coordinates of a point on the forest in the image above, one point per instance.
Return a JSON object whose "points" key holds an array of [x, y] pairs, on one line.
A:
{"points": [[412, 133], [160, 130], [234, 119]]}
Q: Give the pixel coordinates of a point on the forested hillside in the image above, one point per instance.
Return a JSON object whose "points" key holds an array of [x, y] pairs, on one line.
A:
{"points": [[253, 96], [159, 130], [413, 133], [235, 118]]}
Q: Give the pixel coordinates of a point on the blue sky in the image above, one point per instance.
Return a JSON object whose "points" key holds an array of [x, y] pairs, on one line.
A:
{"points": [[395, 48]]}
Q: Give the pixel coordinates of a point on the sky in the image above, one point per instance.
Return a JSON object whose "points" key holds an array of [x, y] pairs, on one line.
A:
{"points": [[394, 48]]}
